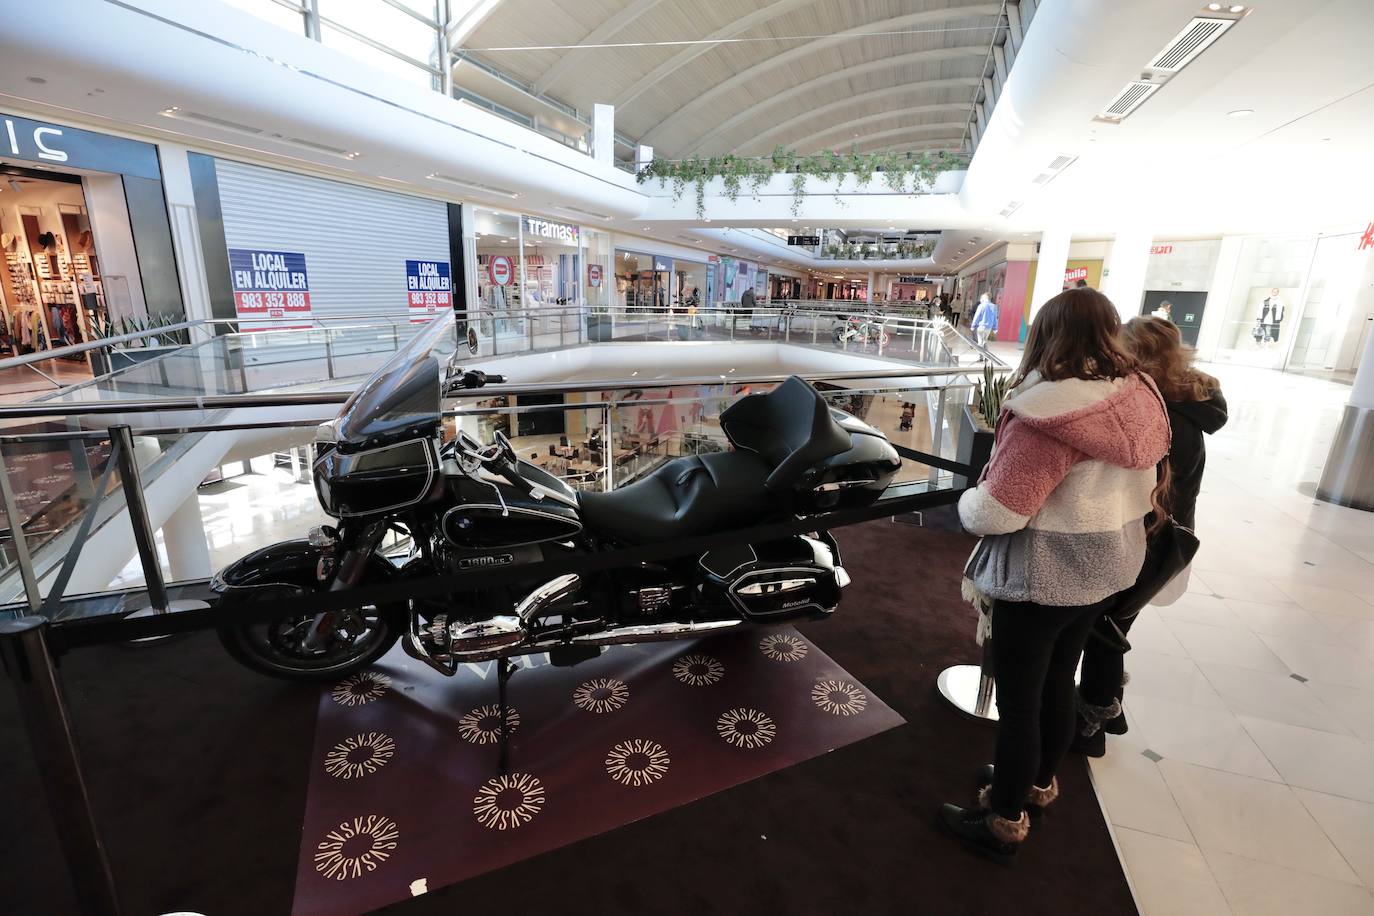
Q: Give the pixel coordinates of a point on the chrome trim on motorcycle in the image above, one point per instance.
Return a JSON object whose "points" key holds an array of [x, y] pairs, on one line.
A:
{"points": [[652, 632], [551, 592]]}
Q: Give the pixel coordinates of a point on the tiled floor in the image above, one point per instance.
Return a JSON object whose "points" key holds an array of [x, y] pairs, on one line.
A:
{"points": [[1256, 690]]}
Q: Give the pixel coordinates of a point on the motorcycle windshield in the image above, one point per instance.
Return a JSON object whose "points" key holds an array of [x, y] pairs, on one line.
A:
{"points": [[402, 398]]}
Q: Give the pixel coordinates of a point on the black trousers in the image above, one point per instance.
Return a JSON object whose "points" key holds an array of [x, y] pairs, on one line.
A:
{"points": [[1035, 648], [1103, 678]]}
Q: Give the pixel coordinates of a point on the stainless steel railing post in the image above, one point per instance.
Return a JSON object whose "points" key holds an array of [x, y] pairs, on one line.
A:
{"points": [[21, 544], [123, 441], [27, 658]]}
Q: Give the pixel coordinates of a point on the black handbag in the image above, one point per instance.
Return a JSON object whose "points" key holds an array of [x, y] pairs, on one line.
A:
{"points": [[1167, 554]]}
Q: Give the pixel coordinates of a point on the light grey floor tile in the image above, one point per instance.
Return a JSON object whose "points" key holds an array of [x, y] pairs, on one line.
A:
{"points": [[1336, 764], [1254, 888], [1253, 818], [1170, 878]]}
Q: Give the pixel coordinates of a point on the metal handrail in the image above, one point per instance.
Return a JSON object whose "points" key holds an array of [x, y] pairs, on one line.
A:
{"points": [[306, 399]]}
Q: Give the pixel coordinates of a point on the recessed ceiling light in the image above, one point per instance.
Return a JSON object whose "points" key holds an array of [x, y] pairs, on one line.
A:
{"points": [[40, 81], [647, 229], [1236, 8], [1240, 113], [1214, 7]]}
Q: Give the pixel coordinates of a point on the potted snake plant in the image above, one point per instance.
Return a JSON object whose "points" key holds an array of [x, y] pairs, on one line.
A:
{"points": [[115, 357], [977, 422]]}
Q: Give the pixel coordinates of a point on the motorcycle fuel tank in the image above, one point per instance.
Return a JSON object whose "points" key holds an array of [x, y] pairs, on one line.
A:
{"points": [[480, 521]]}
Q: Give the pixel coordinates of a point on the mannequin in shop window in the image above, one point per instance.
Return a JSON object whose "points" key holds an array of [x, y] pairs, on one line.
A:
{"points": [[1271, 317]]}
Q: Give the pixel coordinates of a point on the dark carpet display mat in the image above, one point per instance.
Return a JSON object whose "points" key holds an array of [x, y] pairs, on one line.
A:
{"points": [[406, 793]]}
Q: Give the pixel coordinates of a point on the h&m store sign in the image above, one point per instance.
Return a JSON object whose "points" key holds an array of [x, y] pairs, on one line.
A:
{"points": [[41, 142], [547, 229]]}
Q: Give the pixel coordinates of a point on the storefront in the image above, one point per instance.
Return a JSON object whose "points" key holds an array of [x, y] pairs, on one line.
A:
{"points": [[1177, 278], [642, 281], [689, 283], [86, 239], [283, 249], [1291, 303]]}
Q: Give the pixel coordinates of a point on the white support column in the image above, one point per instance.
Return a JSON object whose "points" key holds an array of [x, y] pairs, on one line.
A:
{"points": [[188, 549], [1049, 269], [1125, 282], [872, 286], [1219, 290], [603, 133]]}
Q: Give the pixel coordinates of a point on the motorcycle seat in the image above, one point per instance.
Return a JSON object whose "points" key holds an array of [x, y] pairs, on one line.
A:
{"points": [[683, 498]]}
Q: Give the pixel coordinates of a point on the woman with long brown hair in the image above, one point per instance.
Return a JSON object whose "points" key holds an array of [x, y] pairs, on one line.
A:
{"points": [[1196, 407], [1061, 508]]}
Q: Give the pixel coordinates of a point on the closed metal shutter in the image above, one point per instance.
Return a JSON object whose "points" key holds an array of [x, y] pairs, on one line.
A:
{"points": [[356, 241]]}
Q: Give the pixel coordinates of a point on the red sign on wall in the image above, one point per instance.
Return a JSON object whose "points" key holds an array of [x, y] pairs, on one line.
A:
{"points": [[500, 269], [1367, 239], [1074, 274], [593, 275], [1161, 249]]}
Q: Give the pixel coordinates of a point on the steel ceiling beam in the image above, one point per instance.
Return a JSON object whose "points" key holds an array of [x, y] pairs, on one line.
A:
{"points": [[809, 49], [567, 59], [809, 116], [814, 141], [834, 76]]}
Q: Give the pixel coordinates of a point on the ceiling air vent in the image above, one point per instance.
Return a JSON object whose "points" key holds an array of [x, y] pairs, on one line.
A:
{"points": [[212, 121], [1128, 100], [1061, 161], [1189, 43], [317, 147], [472, 185]]}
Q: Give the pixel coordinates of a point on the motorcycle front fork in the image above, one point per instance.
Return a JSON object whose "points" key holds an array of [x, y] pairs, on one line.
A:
{"points": [[348, 573]]}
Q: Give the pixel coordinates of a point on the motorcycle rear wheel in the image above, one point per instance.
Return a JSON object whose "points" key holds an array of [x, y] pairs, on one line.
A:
{"points": [[267, 646]]}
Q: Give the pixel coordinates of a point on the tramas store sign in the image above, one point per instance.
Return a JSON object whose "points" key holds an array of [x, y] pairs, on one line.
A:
{"points": [[270, 285], [554, 232], [429, 289]]}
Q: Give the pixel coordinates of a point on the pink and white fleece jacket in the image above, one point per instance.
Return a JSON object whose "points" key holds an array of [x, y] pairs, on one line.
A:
{"points": [[1069, 487]]}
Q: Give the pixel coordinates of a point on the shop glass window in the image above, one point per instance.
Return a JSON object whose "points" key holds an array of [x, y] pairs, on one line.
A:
{"points": [[497, 242], [553, 267], [599, 270], [287, 16], [1265, 302]]}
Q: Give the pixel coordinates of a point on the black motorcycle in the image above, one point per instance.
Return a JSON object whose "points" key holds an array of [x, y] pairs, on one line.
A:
{"points": [[383, 469]]}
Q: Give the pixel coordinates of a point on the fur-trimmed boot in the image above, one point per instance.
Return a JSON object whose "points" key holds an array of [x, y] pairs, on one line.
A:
{"points": [[1039, 798], [1089, 738], [986, 832]]}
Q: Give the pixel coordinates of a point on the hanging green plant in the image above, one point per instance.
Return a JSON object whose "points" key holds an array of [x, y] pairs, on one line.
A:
{"points": [[899, 170]]}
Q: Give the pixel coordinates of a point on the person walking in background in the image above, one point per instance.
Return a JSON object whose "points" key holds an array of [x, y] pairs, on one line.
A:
{"points": [[1196, 407], [1061, 509], [1165, 311], [984, 322]]}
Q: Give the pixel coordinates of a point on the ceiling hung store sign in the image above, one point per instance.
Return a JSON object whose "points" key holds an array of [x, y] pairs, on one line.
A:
{"points": [[271, 289], [41, 142], [429, 289], [547, 229], [810, 241]]}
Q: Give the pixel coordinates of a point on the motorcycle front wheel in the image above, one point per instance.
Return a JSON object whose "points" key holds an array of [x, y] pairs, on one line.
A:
{"points": [[277, 647]]}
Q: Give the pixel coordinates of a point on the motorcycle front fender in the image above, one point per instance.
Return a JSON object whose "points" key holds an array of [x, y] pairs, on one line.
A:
{"points": [[297, 565]]}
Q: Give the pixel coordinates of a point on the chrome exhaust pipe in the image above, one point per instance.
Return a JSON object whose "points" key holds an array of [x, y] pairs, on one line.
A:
{"points": [[551, 592], [654, 632]]}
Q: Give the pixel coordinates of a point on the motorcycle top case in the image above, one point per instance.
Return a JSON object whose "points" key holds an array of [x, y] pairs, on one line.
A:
{"points": [[778, 580], [853, 478]]}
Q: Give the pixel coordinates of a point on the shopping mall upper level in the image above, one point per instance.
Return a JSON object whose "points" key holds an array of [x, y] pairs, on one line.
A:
{"points": [[311, 158]]}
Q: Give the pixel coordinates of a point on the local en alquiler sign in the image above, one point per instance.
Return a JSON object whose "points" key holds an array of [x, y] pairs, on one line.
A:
{"points": [[270, 285], [429, 289], [500, 269]]}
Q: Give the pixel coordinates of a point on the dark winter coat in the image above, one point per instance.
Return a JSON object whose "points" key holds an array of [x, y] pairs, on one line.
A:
{"points": [[1189, 420]]}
